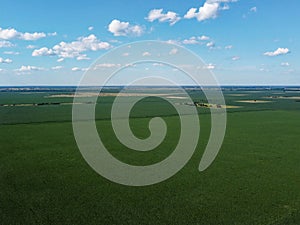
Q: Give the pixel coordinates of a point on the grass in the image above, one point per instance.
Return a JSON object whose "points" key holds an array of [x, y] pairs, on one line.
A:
{"points": [[254, 180]]}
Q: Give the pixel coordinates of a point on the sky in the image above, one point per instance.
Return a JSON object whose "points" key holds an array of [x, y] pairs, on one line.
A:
{"points": [[243, 42]]}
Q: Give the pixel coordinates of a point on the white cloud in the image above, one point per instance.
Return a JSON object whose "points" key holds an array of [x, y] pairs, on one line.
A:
{"points": [[29, 68], [11, 33], [130, 65], [115, 41], [60, 60], [210, 44], [279, 51], [209, 10], [56, 67], [125, 54], [253, 9], [210, 66], [52, 34], [228, 47], [174, 42], [43, 52], [157, 14], [107, 65], [146, 54], [173, 51], [195, 40], [225, 7], [203, 38], [5, 44], [30, 46], [285, 64], [74, 49], [83, 57], [157, 64], [192, 13], [68, 50], [264, 70], [5, 60], [235, 58], [31, 36], [76, 69], [11, 53], [90, 28], [221, 1], [119, 28], [190, 41]]}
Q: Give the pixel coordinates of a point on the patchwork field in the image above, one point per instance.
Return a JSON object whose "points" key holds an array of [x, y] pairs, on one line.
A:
{"points": [[255, 179]]}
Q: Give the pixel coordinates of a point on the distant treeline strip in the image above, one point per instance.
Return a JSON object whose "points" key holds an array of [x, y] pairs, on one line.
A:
{"points": [[134, 117]]}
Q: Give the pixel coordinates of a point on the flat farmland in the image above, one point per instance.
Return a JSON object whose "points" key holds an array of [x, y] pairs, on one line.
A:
{"points": [[255, 178]]}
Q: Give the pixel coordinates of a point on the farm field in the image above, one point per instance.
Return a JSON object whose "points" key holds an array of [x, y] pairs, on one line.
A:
{"points": [[255, 179]]}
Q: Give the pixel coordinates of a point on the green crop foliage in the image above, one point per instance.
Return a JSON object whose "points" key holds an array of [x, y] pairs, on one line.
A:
{"points": [[255, 179]]}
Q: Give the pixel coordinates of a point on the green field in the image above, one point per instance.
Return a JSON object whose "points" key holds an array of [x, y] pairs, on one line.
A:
{"points": [[255, 179]]}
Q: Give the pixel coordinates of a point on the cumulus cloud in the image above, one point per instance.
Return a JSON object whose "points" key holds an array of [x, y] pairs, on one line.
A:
{"points": [[209, 10], [285, 64], [52, 34], [11, 33], [235, 58], [203, 38], [210, 66], [225, 7], [253, 9], [60, 60], [210, 44], [77, 69], [228, 47], [173, 51], [73, 49], [190, 41], [90, 28], [157, 14], [221, 1], [43, 52], [107, 65], [119, 28], [146, 54], [5, 44], [11, 53], [279, 51], [31, 36], [7, 34], [29, 68], [264, 70], [5, 60], [30, 46], [195, 40], [174, 42], [82, 57], [56, 67]]}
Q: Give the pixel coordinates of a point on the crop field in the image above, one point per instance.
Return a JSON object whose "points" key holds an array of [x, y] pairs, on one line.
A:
{"points": [[255, 178]]}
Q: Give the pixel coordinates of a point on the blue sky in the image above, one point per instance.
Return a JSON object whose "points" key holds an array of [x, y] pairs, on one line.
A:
{"points": [[243, 41]]}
